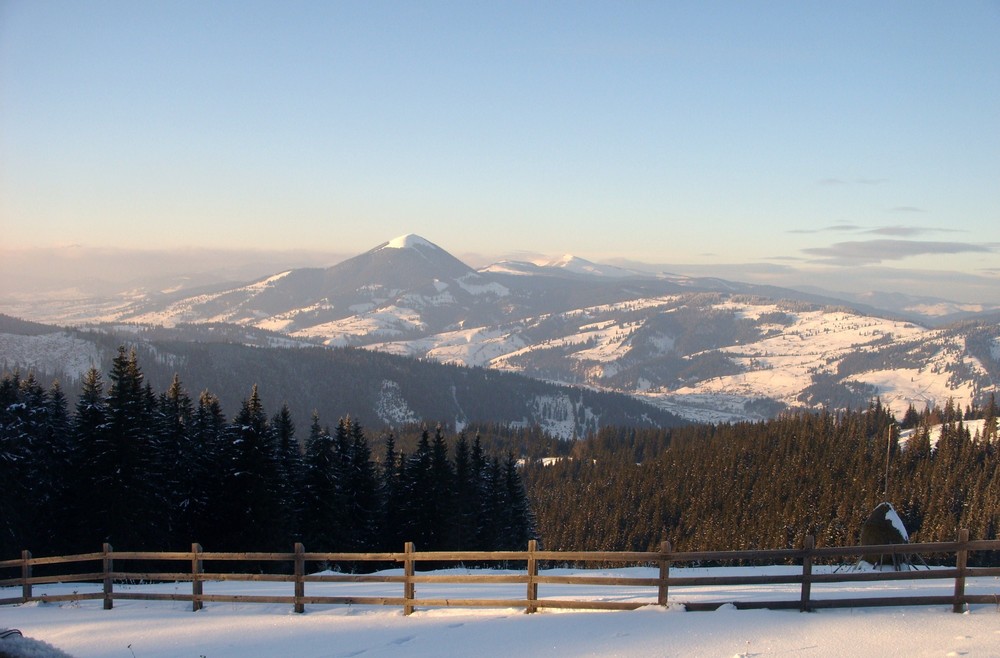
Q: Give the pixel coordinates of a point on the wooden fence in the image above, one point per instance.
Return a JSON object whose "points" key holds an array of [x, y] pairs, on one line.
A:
{"points": [[531, 578]]}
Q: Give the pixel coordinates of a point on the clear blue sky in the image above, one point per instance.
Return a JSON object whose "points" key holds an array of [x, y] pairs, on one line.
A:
{"points": [[790, 133]]}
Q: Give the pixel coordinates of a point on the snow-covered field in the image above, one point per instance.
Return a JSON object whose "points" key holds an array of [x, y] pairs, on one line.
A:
{"points": [[160, 629]]}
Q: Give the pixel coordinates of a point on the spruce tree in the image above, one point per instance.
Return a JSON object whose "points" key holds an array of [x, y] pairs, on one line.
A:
{"points": [[321, 515], [252, 498]]}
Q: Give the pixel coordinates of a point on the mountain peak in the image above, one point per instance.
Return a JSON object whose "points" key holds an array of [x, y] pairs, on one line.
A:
{"points": [[409, 241]]}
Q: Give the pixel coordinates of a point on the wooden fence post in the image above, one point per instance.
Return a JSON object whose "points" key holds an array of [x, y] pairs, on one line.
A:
{"points": [[532, 575], [197, 586], [961, 561], [108, 568], [25, 575], [409, 591], [300, 572], [807, 569], [663, 590]]}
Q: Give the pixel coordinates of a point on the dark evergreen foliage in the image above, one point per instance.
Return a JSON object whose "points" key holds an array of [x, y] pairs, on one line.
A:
{"points": [[767, 485], [145, 472]]}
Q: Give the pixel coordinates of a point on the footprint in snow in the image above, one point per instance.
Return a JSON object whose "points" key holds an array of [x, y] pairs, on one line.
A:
{"points": [[402, 640]]}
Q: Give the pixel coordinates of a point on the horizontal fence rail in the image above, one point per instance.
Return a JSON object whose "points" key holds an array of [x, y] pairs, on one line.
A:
{"points": [[531, 577]]}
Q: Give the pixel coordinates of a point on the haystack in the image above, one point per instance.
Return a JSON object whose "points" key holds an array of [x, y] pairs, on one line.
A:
{"points": [[883, 526]]}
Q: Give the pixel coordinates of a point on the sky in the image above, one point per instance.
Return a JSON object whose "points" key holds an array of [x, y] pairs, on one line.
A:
{"points": [[849, 143]]}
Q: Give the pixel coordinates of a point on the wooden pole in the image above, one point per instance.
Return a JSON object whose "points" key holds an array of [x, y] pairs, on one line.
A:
{"points": [[663, 590], [532, 576], [108, 568], [409, 591], [807, 568], [25, 575], [197, 586], [961, 561], [300, 572]]}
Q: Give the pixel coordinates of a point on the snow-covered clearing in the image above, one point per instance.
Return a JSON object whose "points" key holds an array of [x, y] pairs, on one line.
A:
{"points": [[161, 629]]}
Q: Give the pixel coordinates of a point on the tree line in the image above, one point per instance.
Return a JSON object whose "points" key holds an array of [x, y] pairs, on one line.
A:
{"points": [[768, 484], [156, 471]]}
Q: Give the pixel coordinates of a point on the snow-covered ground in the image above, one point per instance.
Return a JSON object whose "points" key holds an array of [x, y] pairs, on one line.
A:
{"points": [[160, 629]]}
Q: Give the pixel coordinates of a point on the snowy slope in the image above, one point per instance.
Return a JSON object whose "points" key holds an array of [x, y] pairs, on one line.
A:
{"points": [[705, 348], [163, 629]]}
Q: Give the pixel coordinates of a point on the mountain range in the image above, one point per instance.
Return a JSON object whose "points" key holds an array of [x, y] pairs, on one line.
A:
{"points": [[702, 348]]}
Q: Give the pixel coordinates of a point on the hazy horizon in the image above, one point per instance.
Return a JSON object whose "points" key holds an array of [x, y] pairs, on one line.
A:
{"points": [[81, 272], [849, 146]]}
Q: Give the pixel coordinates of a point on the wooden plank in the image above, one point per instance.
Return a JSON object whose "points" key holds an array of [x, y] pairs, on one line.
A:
{"points": [[351, 578], [663, 587], [151, 555], [982, 572], [464, 579], [353, 600], [68, 578], [806, 591], [246, 598], [886, 549], [596, 556], [249, 577], [25, 575], [883, 576], [694, 581], [108, 567], [56, 598], [66, 559], [709, 606], [745, 556], [532, 577], [592, 605], [878, 602], [150, 576], [471, 603], [353, 557], [599, 580], [469, 556], [990, 599], [152, 596], [248, 557], [961, 560], [197, 586], [409, 591], [300, 585]]}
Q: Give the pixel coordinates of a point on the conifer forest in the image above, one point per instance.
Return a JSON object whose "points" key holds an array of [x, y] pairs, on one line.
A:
{"points": [[148, 470], [157, 471]]}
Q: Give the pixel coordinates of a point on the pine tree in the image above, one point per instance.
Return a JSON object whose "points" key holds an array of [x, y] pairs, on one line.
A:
{"points": [[252, 498], [176, 417], [362, 482], [390, 493], [321, 515], [134, 506], [290, 458], [92, 461], [467, 496], [15, 515], [205, 513]]}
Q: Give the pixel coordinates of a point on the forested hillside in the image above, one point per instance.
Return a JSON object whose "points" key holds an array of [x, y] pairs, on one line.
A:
{"points": [[158, 470], [148, 470], [768, 484], [382, 389]]}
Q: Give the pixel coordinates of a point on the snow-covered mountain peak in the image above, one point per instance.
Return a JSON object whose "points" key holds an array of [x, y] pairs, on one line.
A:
{"points": [[409, 241], [577, 265]]}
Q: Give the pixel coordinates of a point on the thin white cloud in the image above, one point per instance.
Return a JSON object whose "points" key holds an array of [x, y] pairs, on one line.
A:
{"points": [[876, 251]]}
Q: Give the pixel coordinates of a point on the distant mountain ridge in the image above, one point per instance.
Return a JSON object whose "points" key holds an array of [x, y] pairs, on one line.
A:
{"points": [[377, 389], [705, 348]]}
